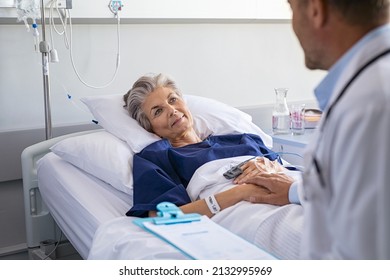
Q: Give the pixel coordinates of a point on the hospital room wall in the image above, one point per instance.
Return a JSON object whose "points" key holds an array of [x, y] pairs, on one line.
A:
{"points": [[237, 63]]}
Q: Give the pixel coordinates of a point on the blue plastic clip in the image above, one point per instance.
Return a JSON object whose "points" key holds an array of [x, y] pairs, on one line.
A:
{"points": [[169, 213]]}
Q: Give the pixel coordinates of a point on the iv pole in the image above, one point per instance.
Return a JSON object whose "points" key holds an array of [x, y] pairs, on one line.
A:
{"points": [[45, 49]]}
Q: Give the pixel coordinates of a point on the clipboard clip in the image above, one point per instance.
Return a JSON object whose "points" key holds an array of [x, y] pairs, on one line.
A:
{"points": [[169, 213]]}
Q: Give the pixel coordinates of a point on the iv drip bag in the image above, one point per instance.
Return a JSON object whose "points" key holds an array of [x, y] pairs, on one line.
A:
{"points": [[27, 9]]}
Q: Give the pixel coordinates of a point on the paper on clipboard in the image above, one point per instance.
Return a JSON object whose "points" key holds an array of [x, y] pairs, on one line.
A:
{"points": [[203, 239]]}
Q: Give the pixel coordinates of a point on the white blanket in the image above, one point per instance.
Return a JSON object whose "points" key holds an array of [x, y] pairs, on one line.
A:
{"points": [[275, 229]]}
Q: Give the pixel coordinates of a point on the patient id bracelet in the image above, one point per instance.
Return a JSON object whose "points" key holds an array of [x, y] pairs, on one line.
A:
{"points": [[212, 204]]}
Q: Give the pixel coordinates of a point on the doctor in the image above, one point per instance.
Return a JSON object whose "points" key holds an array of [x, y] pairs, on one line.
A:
{"points": [[346, 183]]}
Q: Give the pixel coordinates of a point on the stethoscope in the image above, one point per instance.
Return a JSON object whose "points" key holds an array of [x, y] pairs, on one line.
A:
{"points": [[314, 159]]}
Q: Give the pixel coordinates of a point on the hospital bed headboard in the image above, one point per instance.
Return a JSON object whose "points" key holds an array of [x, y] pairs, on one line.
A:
{"points": [[40, 225]]}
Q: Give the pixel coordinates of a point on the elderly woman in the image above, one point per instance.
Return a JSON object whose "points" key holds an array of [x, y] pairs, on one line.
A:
{"points": [[163, 170]]}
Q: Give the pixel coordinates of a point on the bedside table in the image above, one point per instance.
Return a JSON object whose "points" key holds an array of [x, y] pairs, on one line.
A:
{"points": [[292, 145]]}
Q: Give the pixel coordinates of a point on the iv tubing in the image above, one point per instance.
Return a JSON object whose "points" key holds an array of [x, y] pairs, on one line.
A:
{"points": [[117, 58]]}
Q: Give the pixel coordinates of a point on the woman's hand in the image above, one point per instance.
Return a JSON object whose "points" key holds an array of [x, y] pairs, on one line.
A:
{"points": [[257, 166]]}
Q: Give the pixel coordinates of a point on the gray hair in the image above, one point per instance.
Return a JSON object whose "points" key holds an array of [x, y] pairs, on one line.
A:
{"points": [[136, 96]]}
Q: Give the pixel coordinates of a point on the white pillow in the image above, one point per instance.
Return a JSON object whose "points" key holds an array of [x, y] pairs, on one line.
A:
{"points": [[210, 117], [102, 155]]}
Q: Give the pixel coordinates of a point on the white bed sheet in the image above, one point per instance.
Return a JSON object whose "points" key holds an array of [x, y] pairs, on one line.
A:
{"points": [[78, 202]]}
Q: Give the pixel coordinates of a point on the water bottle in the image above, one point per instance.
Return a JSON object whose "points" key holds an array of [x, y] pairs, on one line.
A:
{"points": [[281, 113]]}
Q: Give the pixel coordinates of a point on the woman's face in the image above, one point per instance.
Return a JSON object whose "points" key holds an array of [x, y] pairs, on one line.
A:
{"points": [[168, 114]]}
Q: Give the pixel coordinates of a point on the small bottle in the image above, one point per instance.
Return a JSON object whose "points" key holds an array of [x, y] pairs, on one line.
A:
{"points": [[281, 113]]}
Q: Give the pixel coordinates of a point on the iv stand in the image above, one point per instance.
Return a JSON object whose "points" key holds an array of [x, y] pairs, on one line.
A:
{"points": [[45, 49]]}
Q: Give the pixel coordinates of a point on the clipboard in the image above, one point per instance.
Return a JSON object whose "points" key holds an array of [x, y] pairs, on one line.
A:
{"points": [[198, 237]]}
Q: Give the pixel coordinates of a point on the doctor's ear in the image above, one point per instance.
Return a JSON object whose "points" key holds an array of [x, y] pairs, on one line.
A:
{"points": [[318, 12]]}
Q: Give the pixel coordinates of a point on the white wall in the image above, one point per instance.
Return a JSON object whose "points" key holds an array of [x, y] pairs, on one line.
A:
{"points": [[171, 9], [238, 63]]}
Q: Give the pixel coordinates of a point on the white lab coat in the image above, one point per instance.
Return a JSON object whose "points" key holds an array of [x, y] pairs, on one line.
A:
{"points": [[349, 217]]}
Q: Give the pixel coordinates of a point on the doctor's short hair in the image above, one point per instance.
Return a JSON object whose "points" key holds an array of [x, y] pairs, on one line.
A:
{"points": [[136, 96], [361, 12]]}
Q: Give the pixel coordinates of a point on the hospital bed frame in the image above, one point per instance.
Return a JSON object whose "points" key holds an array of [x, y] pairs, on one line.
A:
{"points": [[41, 229]]}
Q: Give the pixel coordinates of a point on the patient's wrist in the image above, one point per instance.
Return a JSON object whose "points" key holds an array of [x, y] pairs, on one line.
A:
{"points": [[239, 193]]}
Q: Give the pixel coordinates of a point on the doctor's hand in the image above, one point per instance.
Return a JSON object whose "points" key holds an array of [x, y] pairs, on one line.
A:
{"points": [[274, 188]]}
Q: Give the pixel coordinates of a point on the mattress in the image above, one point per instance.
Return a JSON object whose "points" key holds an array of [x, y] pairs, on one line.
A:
{"points": [[78, 202]]}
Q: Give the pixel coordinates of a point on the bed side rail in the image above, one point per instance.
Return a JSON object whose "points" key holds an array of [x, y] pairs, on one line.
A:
{"points": [[40, 225]]}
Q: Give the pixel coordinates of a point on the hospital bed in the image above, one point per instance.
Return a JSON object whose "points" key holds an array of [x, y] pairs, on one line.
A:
{"points": [[81, 185]]}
